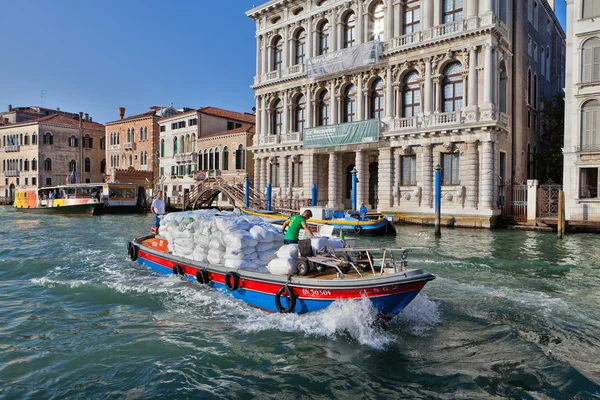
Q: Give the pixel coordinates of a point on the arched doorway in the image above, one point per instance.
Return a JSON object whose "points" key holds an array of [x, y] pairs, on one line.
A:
{"points": [[373, 184], [348, 194], [11, 192]]}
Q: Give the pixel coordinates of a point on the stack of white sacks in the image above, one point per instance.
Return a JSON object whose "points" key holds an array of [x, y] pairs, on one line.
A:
{"points": [[230, 240]]}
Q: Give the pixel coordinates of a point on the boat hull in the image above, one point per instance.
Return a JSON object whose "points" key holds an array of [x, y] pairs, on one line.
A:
{"points": [[389, 294], [78, 209]]}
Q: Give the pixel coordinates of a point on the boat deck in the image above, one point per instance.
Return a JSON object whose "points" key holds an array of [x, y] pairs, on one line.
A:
{"points": [[159, 244]]}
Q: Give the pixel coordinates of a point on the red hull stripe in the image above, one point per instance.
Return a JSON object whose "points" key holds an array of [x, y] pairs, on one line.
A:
{"points": [[330, 293]]}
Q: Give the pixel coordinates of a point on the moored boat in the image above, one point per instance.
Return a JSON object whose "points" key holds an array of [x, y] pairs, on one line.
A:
{"points": [[349, 223], [390, 290], [67, 199]]}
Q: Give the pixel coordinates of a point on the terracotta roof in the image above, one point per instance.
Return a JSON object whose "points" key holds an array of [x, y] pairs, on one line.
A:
{"points": [[244, 128], [151, 113], [178, 115], [219, 112], [62, 120]]}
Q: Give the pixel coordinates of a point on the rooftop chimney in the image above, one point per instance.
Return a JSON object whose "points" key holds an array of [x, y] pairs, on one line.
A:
{"points": [[122, 112], [87, 116], [10, 107], [80, 119]]}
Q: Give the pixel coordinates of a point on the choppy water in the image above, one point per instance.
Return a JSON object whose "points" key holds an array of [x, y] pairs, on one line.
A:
{"points": [[511, 314]]}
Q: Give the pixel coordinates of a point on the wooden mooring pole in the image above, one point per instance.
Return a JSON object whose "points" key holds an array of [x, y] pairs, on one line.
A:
{"points": [[561, 215], [438, 201]]}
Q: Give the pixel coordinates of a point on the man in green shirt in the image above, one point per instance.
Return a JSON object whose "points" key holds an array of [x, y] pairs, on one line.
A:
{"points": [[294, 224]]}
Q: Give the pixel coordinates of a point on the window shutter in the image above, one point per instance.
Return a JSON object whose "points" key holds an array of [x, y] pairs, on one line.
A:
{"points": [[455, 168], [595, 64], [413, 170], [587, 65], [595, 128]]}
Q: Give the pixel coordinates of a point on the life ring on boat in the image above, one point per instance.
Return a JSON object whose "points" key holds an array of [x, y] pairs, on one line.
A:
{"points": [[202, 276], [291, 303], [232, 281], [132, 251], [358, 229], [178, 270]]}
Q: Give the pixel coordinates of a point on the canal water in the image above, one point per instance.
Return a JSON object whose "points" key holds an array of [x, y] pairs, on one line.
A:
{"points": [[511, 314]]}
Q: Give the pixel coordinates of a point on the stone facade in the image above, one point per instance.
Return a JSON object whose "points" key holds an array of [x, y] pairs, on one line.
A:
{"points": [[132, 143], [444, 84], [582, 112], [44, 151]]}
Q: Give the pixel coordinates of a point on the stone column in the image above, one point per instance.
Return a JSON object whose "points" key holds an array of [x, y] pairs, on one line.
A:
{"points": [[359, 99], [426, 14], [473, 82], [308, 174], [471, 173], [265, 120], [397, 175], [286, 114], [309, 107], [285, 51], [333, 98], [389, 107], [269, 55], [359, 24], [427, 175], [472, 8], [334, 177], [258, 59], [283, 175], [339, 26], [389, 20], [488, 6], [398, 23], [263, 173], [309, 38], [487, 176], [384, 184], [268, 171], [264, 56], [360, 168], [428, 100], [437, 96], [332, 33], [488, 88], [258, 121], [256, 178], [290, 176]]}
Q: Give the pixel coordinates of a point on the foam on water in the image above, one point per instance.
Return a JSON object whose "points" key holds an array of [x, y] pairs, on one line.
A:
{"points": [[421, 315]]}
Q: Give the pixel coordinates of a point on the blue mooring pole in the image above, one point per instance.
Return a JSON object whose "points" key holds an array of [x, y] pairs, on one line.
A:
{"points": [[354, 181], [438, 200], [269, 191], [247, 191], [314, 195]]}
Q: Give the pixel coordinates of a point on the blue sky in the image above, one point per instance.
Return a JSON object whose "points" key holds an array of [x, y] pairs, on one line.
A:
{"points": [[95, 56]]}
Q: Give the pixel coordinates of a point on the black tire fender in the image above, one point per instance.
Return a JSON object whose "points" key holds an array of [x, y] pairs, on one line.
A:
{"points": [[358, 229], [132, 251], [178, 270], [232, 281], [202, 276], [292, 300]]}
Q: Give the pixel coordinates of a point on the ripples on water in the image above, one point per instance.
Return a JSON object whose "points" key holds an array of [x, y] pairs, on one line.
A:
{"points": [[512, 314]]}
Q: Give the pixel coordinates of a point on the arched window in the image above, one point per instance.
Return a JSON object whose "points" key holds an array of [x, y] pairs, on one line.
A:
{"points": [[349, 30], [21, 139], [503, 103], [128, 135], [452, 10], [411, 95], [217, 165], [34, 165], [349, 104], [240, 157], [205, 159], [26, 139], [48, 164], [299, 113], [377, 21], [300, 46], [103, 166], [323, 109], [590, 126], [323, 33], [142, 157], [102, 143], [130, 160], [26, 165], [591, 60], [377, 98], [162, 147], [124, 160], [118, 137], [535, 91], [278, 54], [175, 145], [33, 138], [87, 165], [211, 164], [452, 92], [141, 133], [145, 133], [225, 158], [21, 164], [72, 165], [412, 17], [73, 141], [278, 117], [48, 139]]}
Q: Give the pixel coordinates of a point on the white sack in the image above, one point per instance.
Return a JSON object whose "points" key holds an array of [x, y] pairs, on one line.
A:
{"points": [[288, 251], [280, 266]]}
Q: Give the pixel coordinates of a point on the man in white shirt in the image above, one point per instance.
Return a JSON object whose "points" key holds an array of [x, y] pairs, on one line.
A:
{"points": [[158, 209]]}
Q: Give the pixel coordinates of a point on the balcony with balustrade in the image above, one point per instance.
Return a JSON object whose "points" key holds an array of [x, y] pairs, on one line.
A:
{"points": [[128, 146], [11, 173], [185, 157], [11, 148], [295, 71], [114, 147]]}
